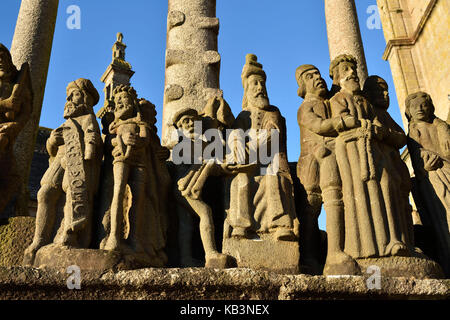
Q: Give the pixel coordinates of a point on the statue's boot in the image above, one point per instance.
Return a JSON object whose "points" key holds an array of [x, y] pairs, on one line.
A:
{"points": [[30, 252], [112, 244], [340, 263], [398, 248], [219, 260], [285, 234]]}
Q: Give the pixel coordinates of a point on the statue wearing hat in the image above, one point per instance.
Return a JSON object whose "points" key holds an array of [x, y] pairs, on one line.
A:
{"points": [[216, 116], [75, 150], [317, 170], [15, 110], [261, 197]]}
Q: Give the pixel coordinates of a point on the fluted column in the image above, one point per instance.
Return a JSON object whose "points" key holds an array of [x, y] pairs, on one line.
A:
{"points": [[192, 60], [343, 33], [32, 43]]}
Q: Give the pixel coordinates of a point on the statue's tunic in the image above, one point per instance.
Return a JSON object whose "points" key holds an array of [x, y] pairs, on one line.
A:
{"points": [[73, 174], [263, 202], [433, 137], [374, 220], [317, 143]]}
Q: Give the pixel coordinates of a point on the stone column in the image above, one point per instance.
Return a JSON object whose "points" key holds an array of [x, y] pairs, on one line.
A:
{"points": [[32, 43], [192, 60], [343, 33]]}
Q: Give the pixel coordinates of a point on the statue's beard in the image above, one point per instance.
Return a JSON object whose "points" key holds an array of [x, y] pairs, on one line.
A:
{"points": [[71, 110], [260, 101]]}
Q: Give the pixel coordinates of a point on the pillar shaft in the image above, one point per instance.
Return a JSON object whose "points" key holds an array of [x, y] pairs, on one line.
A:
{"points": [[343, 33], [32, 43], [192, 60]]}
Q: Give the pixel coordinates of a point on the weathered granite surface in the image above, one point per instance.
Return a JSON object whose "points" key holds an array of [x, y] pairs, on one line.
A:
{"points": [[200, 283]]}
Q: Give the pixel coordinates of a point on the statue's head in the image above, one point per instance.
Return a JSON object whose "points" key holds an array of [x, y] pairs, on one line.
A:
{"points": [[310, 81], [376, 90], [125, 102], [343, 71], [184, 120], [81, 97], [254, 82], [419, 106], [7, 68]]}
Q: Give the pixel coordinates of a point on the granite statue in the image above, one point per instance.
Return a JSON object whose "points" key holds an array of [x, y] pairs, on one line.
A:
{"points": [[15, 110], [318, 171], [377, 223], [192, 182], [261, 199], [135, 222], [429, 148], [75, 150]]}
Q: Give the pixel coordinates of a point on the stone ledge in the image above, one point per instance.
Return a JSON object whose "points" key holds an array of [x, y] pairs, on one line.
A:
{"points": [[204, 284]]}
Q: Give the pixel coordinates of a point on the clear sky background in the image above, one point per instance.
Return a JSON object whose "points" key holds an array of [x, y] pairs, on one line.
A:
{"points": [[283, 34]]}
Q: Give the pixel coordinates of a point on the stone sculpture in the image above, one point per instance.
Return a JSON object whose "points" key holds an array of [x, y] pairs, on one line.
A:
{"points": [[135, 223], [75, 150], [375, 224], [191, 184], [317, 169], [15, 109], [394, 138], [429, 147], [261, 196]]}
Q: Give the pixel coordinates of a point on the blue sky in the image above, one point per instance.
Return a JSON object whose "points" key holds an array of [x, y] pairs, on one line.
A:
{"points": [[283, 34]]}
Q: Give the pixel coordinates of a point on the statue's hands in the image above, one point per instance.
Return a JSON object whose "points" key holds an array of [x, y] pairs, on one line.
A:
{"points": [[130, 140], [345, 123], [351, 122], [431, 160], [233, 169], [56, 137]]}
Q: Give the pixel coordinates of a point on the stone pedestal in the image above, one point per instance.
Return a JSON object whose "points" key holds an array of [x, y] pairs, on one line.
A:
{"points": [[60, 257], [264, 254], [418, 267]]}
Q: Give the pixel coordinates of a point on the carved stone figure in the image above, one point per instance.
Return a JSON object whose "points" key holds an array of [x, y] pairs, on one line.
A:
{"points": [[317, 169], [429, 147], [191, 184], [376, 220], [261, 196], [272, 208], [75, 150], [136, 222], [15, 110], [394, 138]]}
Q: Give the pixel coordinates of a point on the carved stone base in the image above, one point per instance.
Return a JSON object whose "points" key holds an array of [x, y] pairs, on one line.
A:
{"points": [[264, 254], [419, 267], [60, 257]]}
